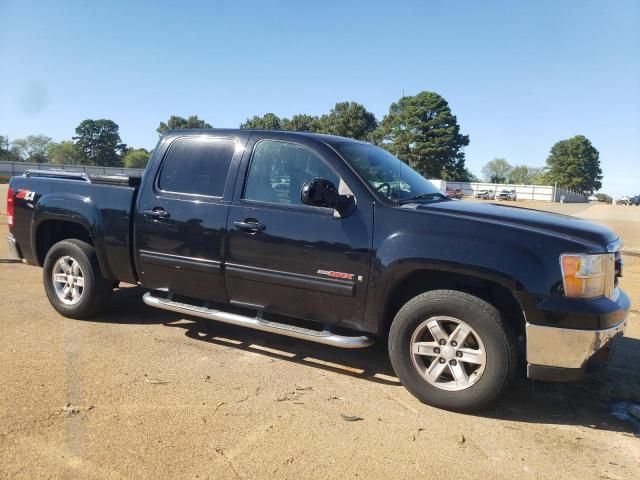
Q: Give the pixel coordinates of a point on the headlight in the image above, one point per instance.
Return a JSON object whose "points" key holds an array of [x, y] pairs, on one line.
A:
{"points": [[588, 276]]}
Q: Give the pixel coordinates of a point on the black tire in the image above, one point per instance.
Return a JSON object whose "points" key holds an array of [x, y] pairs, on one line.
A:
{"points": [[96, 291], [498, 339]]}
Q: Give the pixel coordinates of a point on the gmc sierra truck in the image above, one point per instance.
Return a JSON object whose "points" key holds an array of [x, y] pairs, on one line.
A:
{"points": [[333, 241]]}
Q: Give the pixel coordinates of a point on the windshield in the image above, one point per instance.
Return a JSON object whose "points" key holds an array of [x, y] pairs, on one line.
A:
{"points": [[386, 174]]}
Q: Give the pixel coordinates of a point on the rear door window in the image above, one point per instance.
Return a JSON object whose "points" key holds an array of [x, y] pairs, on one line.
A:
{"points": [[197, 166]]}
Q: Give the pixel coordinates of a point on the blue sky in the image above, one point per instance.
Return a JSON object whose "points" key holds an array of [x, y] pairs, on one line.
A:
{"points": [[519, 75]]}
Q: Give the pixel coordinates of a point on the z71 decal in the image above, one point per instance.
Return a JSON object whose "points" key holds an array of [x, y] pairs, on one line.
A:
{"points": [[332, 274], [28, 195]]}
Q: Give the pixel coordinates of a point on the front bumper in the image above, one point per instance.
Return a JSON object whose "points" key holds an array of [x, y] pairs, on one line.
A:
{"points": [[562, 354], [13, 247]]}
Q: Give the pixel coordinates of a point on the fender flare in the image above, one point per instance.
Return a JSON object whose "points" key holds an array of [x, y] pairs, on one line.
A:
{"points": [[72, 208], [403, 269]]}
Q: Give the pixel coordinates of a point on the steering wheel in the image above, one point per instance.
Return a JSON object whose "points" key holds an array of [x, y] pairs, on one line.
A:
{"points": [[384, 185]]}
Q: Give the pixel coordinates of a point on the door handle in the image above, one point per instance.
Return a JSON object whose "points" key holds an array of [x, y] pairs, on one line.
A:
{"points": [[157, 213], [249, 226]]}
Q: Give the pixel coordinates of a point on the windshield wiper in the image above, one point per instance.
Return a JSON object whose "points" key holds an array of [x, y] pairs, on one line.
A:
{"points": [[423, 196]]}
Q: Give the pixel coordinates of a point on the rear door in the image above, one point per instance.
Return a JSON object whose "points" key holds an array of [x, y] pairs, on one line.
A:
{"points": [[290, 258], [182, 213]]}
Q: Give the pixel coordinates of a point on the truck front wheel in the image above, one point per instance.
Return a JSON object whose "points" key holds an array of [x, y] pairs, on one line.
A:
{"points": [[452, 350], [73, 280]]}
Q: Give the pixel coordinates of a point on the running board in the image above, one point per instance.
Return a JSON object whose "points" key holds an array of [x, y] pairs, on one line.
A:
{"points": [[324, 337]]}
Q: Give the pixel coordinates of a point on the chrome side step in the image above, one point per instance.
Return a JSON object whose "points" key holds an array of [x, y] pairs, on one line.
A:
{"points": [[324, 337]]}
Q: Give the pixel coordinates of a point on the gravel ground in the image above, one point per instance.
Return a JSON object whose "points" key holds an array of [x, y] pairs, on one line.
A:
{"points": [[141, 393]]}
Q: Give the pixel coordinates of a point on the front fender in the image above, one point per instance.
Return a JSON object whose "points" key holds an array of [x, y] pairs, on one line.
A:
{"points": [[512, 265], [70, 207], [520, 267]]}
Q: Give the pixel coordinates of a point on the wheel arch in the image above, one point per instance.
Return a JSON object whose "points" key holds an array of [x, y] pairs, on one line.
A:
{"points": [[56, 218], [491, 287]]}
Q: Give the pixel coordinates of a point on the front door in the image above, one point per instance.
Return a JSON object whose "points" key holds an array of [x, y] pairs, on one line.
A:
{"points": [[290, 258], [181, 218]]}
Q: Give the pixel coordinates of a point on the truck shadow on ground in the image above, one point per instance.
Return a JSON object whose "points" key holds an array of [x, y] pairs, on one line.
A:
{"points": [[589, 403], [586, 403], [127, 308]]}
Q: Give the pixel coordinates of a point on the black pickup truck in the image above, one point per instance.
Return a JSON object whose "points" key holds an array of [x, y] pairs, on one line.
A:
{"points": [[333, 241]]}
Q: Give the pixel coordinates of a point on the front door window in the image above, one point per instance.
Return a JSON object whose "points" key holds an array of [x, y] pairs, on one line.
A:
{"points": [[279, 169]]}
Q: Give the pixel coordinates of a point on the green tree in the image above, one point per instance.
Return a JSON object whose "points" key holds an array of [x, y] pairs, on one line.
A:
{"points": [[519, 174], [603, 197], [136, 158], [465, 175], [66, 153], [269, 121], [176, 122], [348, 119], [6, 155], [301, 123], [497, 170], [32, 148], [541, 177], [99, 141], [422, 131], [522, 174], [575, 163]]}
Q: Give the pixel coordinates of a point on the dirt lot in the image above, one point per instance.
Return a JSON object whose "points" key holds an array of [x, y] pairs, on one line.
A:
{"points": [[140, 393]]}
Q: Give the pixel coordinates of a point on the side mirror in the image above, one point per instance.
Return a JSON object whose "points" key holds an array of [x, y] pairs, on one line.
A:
{"points": [[323, 193]]}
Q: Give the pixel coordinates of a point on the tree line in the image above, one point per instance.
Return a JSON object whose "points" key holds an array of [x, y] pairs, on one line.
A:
{"points": [[419, 129], [97, 142], [573, 163]]}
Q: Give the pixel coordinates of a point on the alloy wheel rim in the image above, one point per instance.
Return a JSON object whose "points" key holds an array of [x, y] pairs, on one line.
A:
{"points": [[68, 280], [448, 353]]}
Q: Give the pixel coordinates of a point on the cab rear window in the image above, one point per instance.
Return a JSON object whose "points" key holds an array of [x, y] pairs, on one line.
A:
{"points": [[197, 166]]}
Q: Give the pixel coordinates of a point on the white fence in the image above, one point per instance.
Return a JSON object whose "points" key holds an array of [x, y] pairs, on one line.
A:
{"points": [[10, 169], [541, 193]]}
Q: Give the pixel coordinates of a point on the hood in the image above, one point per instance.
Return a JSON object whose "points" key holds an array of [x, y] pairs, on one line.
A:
{"points": [[563, 225]]}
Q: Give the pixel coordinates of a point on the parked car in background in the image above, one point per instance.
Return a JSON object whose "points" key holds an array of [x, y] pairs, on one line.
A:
{"points": [[506, 195], [455, 193], [624, 201], [635, 200], [485, 194]]}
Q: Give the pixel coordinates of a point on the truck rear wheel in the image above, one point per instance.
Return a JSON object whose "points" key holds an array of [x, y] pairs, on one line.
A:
{"points": [[452, 350], [73, 280]]}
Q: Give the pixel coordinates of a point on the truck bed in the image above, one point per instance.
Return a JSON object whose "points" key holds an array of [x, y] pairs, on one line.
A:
{"points": [[43, 198]]}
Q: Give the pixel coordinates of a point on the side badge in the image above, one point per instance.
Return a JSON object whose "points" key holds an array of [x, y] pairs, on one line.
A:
{"points": [[332, 274]]}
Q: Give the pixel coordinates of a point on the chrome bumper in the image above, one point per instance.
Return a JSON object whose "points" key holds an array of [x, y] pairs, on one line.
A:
{"points": [[567, 348], [13, 247]]}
